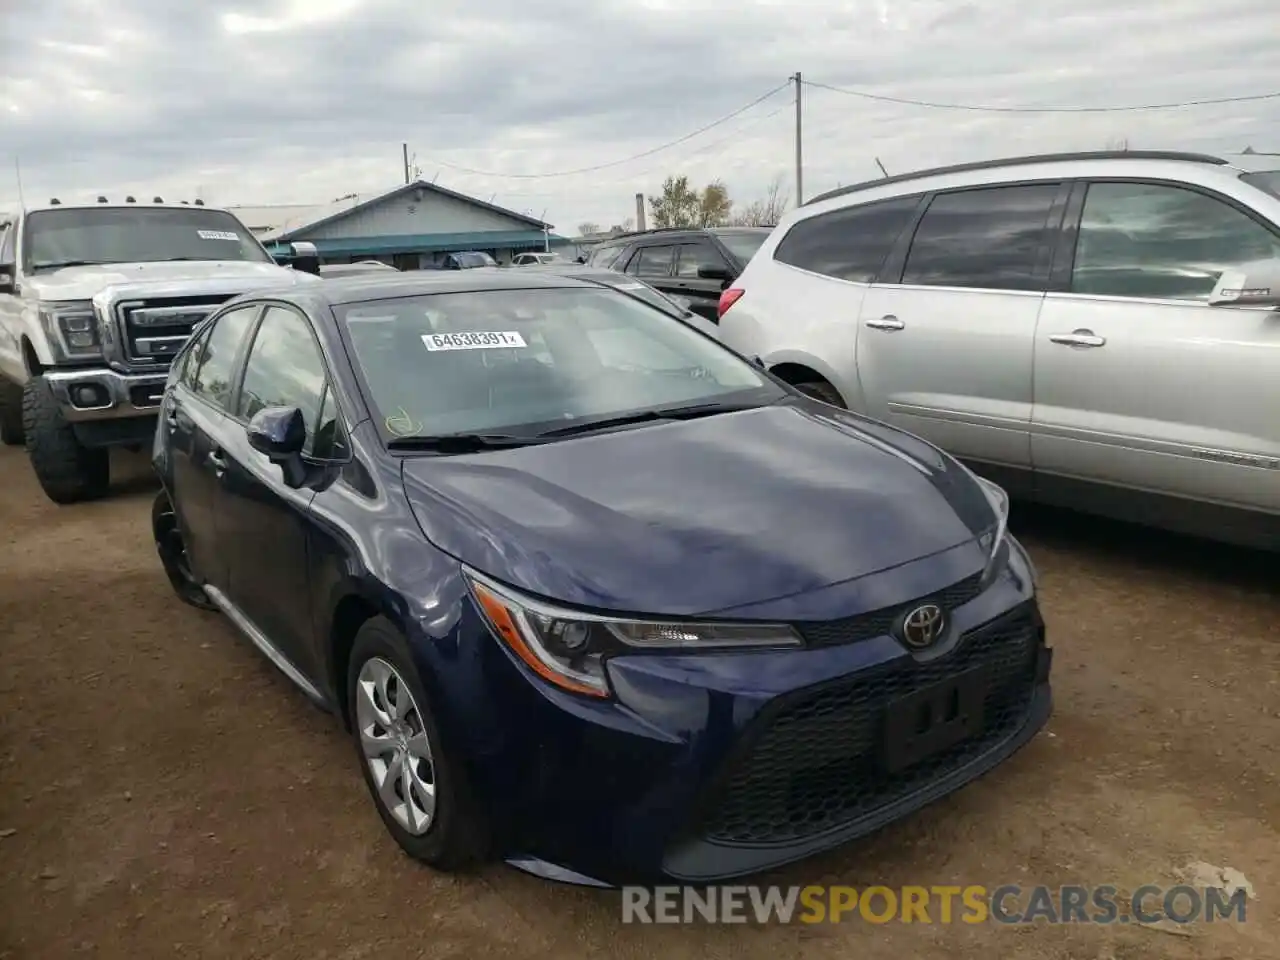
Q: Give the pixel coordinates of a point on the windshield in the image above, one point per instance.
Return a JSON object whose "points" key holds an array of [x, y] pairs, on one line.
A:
{"points": [[526, 360], [1268, 181], [135, 235], [745, 244], [474, 260]]}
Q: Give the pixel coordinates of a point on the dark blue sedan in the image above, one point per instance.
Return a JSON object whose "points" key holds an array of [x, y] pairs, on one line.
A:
{"points": [[590, 592]]}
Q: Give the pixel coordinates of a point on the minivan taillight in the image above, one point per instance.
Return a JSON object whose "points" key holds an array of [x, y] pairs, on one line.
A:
{"points": [[727, 300]]}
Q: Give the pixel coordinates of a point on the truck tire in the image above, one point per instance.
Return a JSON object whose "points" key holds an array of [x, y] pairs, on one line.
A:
{"points": [[10, 414], [68, 472]]}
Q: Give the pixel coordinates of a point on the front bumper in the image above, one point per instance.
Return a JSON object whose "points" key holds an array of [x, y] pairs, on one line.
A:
{"points": [[115, 395], [708, 767]]}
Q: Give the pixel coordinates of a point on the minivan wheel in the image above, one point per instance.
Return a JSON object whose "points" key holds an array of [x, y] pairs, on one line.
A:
{"points": [[821, 390], [173, 554], [420, 792]]}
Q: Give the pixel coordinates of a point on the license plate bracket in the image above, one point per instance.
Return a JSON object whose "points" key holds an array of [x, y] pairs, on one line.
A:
{"points": [[928, 720]]}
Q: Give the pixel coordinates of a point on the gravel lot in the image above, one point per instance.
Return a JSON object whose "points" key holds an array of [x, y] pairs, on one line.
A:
{"points": [[163, 792]]}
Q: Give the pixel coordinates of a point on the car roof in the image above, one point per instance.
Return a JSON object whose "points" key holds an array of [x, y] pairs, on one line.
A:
{"points": [[384, 286]]}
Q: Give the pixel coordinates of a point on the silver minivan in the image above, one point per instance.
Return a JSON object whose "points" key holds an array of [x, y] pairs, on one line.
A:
{"points": [[1094, 330]]}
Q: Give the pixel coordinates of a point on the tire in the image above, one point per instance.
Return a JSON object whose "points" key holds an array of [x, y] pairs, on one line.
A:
{"points": [[456, 838], [10, 414], [173, 554], [68, 472], [821, 390]]}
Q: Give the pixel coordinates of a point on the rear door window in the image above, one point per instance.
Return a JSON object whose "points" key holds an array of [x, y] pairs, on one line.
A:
{"points": [[652, 262], [849, 244], [216, 355], [988, 238], [696, 255]]}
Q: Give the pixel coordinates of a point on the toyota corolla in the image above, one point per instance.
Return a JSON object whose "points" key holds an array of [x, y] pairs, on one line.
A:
{"points": [[591, 593]]}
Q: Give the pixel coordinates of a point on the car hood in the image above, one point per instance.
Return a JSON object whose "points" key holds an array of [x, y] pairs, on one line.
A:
{"points": [[81, 283], [701, 516]]}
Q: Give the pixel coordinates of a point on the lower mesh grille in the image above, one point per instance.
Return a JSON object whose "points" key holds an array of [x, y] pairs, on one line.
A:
{"points": [[817, 761]]}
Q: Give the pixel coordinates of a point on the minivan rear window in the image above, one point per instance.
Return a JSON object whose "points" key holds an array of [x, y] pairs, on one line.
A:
{"points": [[849, 244]]}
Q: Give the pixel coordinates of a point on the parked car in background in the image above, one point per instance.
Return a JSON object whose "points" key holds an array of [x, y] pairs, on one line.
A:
{"points": [[463, 260], [590, 591], [1095, 330], [696, 264], [678, 306], [95, 300], [361, 268], [528, 259]]}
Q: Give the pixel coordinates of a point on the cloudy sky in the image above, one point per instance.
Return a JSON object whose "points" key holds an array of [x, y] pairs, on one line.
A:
{"points": [[301, 101]]}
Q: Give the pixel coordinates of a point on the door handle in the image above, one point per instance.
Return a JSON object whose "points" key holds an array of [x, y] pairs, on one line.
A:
{"points": [[888, 322], [1078, 338], [217, 462]]}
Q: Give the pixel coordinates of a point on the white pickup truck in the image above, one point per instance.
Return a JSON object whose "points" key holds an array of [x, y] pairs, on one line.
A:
{"points": [[95, 299]]}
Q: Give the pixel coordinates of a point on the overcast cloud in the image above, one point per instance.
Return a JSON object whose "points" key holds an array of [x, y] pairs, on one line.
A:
{"points": [[301, 101]]}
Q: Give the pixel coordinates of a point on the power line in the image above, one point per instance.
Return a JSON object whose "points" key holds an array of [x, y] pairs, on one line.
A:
{"points": [[684, 158], [615, 163], [980, 108]]}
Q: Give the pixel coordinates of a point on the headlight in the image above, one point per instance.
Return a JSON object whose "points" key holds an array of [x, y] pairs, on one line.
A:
{"points": [[569, 648], [74, 328], [994, 541]]}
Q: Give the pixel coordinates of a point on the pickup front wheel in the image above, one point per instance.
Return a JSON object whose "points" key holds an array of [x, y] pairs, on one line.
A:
{"points": [[68, 471], [10, 414]]}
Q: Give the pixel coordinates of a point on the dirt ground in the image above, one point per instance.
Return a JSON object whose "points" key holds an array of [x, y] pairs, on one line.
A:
{"points": [[163, 792]]}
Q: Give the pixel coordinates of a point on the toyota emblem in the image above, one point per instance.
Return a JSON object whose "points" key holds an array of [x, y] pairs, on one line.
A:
{"points": [[923, 626]]}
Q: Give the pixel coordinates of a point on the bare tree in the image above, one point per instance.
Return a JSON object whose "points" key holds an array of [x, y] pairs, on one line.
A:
{"points": [[766, 211], [588, 229]]}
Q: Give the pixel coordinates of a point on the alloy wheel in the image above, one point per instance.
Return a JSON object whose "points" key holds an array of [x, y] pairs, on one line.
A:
{"points": [[396, 747]]}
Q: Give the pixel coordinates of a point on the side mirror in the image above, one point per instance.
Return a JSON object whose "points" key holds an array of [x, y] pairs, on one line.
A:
{"points": [[1255, 284], [6, 278], [756, 361], [305, 257], [280, 433], [714, 273]]}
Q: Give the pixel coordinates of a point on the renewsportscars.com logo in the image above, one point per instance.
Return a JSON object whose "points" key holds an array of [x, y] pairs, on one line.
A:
{"points": [[1007, 904]]}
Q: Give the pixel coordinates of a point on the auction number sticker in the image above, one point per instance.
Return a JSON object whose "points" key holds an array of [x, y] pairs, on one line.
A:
{"points": [[217, 235], [474, 340]]}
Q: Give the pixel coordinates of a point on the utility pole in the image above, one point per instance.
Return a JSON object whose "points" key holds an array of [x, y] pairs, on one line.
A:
{"points": [[799, 143], [404, 148], [640, 212]]}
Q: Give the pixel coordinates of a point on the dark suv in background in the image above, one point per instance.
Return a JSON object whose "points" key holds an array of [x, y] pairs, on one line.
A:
{"points": [[697, 264]]}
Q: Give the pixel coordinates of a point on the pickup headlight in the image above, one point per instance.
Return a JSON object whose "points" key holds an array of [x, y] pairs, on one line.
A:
{"points": [[995, 541], [569, 648], [74, 328]]}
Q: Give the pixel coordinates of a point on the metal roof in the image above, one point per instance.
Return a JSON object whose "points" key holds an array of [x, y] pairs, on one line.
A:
{"points": [[310, 218]]}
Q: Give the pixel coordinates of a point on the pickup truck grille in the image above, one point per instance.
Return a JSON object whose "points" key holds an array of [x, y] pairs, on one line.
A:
{"points": [[153, 330]]}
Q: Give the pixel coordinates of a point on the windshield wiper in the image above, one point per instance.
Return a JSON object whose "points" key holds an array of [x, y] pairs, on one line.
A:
{"points": [[691, 411], [55, 264], [460, 442]]}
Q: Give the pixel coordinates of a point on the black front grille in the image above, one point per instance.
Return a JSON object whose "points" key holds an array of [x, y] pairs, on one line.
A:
{"points": [[878, 623], [816, 762], [155, 329]]}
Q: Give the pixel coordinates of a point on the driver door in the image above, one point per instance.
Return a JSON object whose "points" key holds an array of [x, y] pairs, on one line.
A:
{"points": [[1139, 382]]}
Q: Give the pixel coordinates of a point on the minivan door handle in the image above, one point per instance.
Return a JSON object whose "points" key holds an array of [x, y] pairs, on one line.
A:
{"points": [[1078, 338], [888, 322], [216, 461]]}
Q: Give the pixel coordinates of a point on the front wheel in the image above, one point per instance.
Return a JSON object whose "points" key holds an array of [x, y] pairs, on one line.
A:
{"points": [[821, 390], [68, 471], [419, 789]]}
